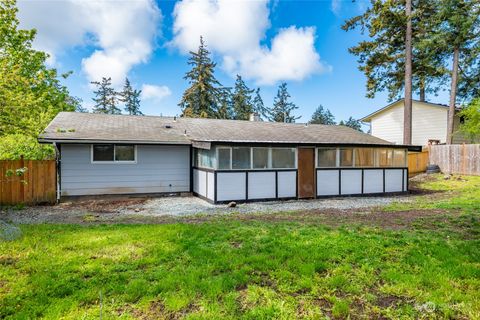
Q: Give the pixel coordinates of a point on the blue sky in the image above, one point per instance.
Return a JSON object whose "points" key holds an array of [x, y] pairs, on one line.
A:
{"points": [[267, 42]]}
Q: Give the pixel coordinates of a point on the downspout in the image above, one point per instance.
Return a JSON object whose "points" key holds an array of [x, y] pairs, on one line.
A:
{"points": [[58, 167]]}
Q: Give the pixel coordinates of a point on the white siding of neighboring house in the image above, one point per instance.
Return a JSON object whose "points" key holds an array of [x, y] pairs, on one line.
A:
{"points": [[158, 169], [428, 122], [388, 125]]}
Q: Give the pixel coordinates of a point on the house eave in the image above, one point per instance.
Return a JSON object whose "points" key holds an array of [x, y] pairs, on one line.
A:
{"points": [[86, 141]]}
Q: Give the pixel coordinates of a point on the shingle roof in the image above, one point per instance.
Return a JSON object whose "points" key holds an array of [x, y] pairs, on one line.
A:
{"points": [[89, 127]]}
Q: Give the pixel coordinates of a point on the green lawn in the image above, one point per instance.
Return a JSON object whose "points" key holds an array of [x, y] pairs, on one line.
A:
{"points": [[256, 269]]}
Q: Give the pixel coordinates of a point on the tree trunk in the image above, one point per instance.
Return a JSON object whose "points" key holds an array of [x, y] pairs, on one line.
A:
{"points": [[422, 89], [453, 96], [407, 114], [422, 94]]}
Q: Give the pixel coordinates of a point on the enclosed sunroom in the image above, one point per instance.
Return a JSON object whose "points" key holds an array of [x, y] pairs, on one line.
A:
{"points": [[260, 172]]}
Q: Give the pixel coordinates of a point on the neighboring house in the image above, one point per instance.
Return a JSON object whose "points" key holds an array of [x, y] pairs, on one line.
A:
{"points": [[220, 160], [429, 122]]}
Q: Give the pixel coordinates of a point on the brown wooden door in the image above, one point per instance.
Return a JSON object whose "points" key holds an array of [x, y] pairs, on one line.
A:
{"points": [[306, 173]]}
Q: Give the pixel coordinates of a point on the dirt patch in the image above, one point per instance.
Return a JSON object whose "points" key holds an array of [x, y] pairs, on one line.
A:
{"points": [[156, 310], [103, 205]]}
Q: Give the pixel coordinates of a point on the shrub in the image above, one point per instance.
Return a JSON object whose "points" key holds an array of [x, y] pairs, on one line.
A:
{"points": [[13, 146], [471, 127]]}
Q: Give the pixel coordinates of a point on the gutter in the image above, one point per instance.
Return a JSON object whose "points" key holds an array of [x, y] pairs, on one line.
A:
{"points": [[86, 141]]}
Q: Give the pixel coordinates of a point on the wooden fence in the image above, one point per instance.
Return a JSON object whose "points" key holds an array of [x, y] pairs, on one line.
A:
{"points": [[39, 184], [458, 159], [417, 162]]}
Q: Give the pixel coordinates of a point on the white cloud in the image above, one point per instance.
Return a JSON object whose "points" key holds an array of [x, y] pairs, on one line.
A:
{"points": [[236, 29], [123, 32], [154, 92], [292, 57], [227, 25], [336, 6]]}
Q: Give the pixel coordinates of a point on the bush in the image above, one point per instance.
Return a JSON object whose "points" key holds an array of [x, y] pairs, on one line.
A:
{"points": [[471, 127], [13, 146]]}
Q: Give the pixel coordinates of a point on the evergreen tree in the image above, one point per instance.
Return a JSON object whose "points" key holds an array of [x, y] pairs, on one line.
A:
{"points": [[259, 107], [458, 37], [282, 108], [203, 96], [105, 97], [77, 103], [398, 56], [382, 58], [131, 98], [351, 123], [322, 116], [242, 100], [224, 110]]}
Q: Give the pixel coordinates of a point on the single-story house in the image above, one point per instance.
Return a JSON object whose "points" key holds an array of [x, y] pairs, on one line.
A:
{"points": [[220, 160], [429, 123]]}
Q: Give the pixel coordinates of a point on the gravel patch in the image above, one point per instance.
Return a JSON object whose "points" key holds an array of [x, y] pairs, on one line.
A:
{"points": [[185, 206], [149, 210]]}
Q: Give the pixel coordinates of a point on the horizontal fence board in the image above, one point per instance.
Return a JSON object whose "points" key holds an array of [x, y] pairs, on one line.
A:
{"points": [[457, 159], [40, 182]]}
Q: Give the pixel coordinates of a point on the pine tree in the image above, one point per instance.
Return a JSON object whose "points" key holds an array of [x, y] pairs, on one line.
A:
{"points": [[382, 58], [77, 103], [458, 37], [203, 97], [105, 97], [322, 116], [242, 100], [224, 110], [259, 107], [351, 123], [131, 98], [282, 108], [397, 55]]}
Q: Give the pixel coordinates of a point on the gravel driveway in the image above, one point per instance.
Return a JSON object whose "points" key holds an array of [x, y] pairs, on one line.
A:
{"points": [[151, 209]]}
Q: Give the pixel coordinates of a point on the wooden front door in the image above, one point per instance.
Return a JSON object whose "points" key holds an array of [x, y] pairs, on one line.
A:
{"points": [[306, 173]]}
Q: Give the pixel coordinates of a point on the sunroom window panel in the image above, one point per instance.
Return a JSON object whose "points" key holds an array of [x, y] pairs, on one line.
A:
{"points": [[364, 157], [241, 158], [124, 153], [206, 158], [260, 158], [327, 157], [385, 157], [283, 158], [224, 158], [399, 158], [346, 157], [103, 152]]}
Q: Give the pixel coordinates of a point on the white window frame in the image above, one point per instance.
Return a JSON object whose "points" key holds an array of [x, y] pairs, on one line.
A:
{"points": [[295, 166], [337, 155], [376, 159], [114, 161], [251, 158], [218, 159]]}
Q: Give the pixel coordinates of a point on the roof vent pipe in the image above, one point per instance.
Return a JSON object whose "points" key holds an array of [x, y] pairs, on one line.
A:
{"points": [[254, 116]]}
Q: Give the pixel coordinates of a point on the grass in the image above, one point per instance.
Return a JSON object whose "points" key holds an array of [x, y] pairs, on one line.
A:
{"points": [[458, 193], [227, 269]]}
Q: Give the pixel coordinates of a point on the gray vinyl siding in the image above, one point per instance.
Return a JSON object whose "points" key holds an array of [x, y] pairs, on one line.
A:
{"points": [[158, 169]]}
